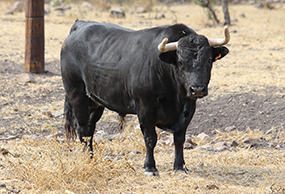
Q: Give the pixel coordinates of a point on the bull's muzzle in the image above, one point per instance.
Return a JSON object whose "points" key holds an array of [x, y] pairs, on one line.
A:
{"points": [[198, 91]]}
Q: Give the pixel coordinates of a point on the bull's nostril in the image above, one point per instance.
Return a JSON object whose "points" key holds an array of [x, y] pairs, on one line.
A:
{"points": [[197, 91], [192, 91]]}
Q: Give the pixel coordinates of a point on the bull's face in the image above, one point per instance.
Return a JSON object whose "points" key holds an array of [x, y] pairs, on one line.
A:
{"points": [[193, 56]]}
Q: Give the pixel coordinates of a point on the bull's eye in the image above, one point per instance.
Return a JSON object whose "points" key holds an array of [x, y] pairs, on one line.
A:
{"points": [[180, 63], [210, 60]]}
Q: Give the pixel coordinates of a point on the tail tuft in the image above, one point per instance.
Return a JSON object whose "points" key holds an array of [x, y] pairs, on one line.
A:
{"points": [[121, 122], [70, 121]]}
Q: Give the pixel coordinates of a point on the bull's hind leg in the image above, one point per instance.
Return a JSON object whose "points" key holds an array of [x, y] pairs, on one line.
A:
{"points": [[79, 102], [86, 117], [95, 115], [85, 127], [86, 112]]}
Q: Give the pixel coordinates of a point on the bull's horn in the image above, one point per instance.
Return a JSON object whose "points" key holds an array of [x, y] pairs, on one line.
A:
{"points": [[163, 47], [220, 41]]}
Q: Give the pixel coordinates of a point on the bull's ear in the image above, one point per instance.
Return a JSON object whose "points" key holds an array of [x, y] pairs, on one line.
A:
{"points": [[219, 52], [168, 57]]}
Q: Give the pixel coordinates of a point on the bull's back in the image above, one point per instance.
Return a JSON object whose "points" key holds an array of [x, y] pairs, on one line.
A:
{"points": [[88, 44], [99, 55]]}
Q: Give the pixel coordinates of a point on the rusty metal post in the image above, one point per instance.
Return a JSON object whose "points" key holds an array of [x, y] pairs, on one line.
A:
{"points": [[34, 49]]}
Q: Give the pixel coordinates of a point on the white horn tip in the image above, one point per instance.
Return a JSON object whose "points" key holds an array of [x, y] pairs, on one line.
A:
{"points": [[220, 41], [161, 46], [226, 29], [227, 35], [165, 47]]}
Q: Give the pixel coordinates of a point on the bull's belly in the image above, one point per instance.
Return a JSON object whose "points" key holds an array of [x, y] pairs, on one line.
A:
{"points": [[114, 104]]}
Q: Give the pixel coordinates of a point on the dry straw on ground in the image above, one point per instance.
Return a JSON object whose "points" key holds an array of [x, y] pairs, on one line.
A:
{"points": [[47, 166]]}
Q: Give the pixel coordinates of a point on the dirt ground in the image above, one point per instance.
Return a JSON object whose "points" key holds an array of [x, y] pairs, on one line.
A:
{"points": [[246, 92]]}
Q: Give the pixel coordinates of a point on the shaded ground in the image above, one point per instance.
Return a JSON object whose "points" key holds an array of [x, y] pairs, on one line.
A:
{"points": [[253, 110]]}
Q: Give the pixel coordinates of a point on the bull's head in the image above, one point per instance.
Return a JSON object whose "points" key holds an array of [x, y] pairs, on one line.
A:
{"points": [[194, 57]]}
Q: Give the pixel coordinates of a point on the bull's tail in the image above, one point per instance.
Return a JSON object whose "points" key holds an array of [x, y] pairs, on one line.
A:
{"points": [[122, 122], [70, 121]]}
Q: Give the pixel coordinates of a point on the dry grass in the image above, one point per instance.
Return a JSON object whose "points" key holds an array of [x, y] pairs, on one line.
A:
{"points": [[256, 60], [58, 167]]}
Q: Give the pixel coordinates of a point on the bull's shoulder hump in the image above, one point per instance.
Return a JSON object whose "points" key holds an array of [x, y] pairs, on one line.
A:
{"points": [[172, 32], [177, 28]]}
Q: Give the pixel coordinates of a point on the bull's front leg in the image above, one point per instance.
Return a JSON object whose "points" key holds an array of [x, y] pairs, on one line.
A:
{"points": [[179, 136], [150, 138], [179, 139]]}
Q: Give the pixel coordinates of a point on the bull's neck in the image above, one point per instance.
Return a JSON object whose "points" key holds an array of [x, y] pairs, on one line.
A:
{"points": [[172, 74]]}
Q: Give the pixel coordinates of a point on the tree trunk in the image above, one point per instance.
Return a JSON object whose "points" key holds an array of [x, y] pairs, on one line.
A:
{"points": [[226, 12], [206, 3]]}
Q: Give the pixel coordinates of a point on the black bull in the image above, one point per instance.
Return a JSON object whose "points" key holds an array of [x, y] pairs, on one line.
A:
{"points": [[105, 65]]}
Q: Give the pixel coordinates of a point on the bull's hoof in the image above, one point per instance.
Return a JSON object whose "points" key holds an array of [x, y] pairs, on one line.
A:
{"points": [[151, 174], [181, 171]]}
